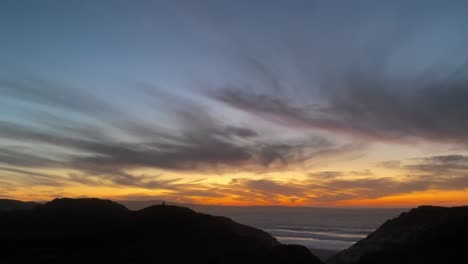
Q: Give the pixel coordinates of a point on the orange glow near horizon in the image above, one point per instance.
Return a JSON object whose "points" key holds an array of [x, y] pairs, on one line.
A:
{"points": [[325, 186], [429, 197]]}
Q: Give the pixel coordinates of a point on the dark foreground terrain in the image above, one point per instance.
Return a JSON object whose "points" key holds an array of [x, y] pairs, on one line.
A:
{"points": [[10, 205], [426, 235], [102, 231]]}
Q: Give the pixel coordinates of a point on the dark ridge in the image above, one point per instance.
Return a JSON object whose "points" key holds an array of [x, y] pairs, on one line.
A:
{"points": [[163, 210], [84, 205], [9, 205], [427, 234], [84, 230]]}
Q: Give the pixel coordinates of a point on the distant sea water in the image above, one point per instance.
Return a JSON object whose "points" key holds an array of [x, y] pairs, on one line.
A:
{"points": [[318, 228], [332, 229]]}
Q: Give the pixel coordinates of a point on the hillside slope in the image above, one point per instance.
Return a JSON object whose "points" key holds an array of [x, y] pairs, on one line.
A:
{"points": [[83, 230], [426, 234]]}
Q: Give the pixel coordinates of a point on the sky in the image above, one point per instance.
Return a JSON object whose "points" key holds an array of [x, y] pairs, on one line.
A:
{"points": [[298, 103]]}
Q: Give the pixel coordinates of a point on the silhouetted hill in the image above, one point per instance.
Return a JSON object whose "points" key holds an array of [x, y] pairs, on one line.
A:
{"points": [[8, 205], [426, 234], [92, 230], [84, 206]]}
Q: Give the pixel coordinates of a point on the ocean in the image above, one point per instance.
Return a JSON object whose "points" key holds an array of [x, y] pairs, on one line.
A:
{"points": [[331, 229]]}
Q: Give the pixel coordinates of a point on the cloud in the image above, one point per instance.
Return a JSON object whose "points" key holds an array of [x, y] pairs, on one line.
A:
{"points": [[370, 108], [380, 86], [33, 89], [443, 165], [189, 150], [324, 187], [22, 159], [201, 142], [272, 188], [328, 80], [446, 171], [390, 164], [106, 152], [449, 172], [240, 132], [31, 177], [326, 174]]}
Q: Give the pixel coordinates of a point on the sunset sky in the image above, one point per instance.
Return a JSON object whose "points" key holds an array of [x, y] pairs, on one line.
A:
{"points": [[317, 103]]}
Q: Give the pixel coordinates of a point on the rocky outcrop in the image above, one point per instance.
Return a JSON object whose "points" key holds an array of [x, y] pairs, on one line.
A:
{"points": [[426, 234]]}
